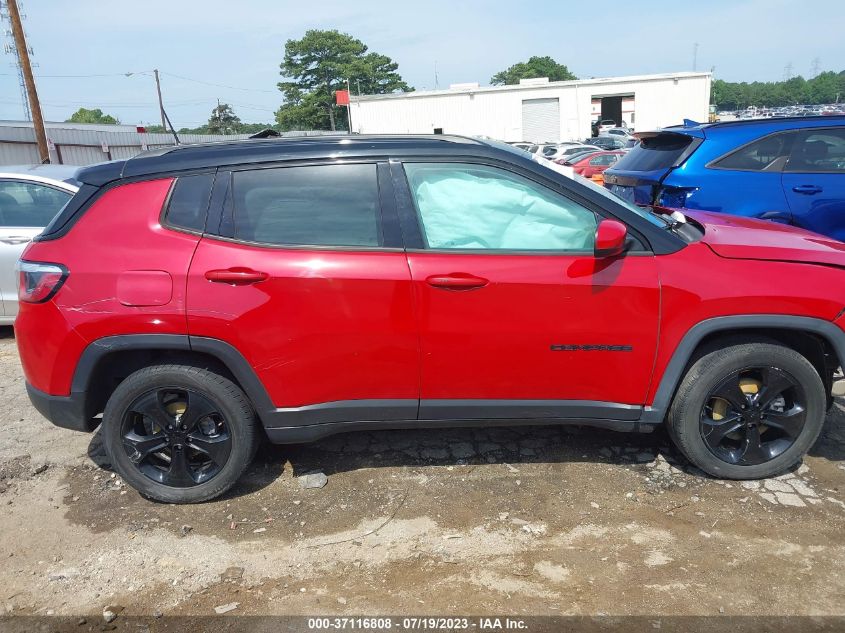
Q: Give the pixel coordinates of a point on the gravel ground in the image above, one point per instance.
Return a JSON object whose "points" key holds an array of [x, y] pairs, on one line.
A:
{"points": [[530, 520]]}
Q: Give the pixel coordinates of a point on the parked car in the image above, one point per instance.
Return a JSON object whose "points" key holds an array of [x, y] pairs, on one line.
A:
{"points": [[607, 142], [621, 132], [30, 196], [194, 294], [562, 150], [591, 164], [570, 158], [573, 150], [790, 170], [522, 145], [601, 125]]}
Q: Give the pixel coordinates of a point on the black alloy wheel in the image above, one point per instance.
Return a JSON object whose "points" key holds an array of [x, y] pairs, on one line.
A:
{"points": [[753, 416], [176, 437]]}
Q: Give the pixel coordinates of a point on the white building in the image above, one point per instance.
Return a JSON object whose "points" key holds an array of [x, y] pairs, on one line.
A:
{"points": [[537, 109]]}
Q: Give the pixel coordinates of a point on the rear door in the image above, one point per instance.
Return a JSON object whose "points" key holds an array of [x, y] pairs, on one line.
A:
{"points": [[517, 317], [303, 272], [25, 209], [814, 181]]}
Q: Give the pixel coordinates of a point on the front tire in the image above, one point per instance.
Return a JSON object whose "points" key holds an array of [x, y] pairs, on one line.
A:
{"points": [[179, 434], [748, 411]]}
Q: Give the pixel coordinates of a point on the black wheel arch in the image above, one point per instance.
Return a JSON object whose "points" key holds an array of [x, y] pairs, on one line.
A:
{"points": [[107, 361], [820, 341]]}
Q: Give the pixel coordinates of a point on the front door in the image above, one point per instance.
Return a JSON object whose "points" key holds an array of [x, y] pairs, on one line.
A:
{"points": [[303, 279], [517, 317], [814, 181]]}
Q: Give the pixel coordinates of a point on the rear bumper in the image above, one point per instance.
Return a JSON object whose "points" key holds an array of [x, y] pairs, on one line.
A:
{"points": [[67, 412]]}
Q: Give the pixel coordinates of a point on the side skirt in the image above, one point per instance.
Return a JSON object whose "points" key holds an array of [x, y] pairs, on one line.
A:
{"points": [[306, 424], [313, 432]]}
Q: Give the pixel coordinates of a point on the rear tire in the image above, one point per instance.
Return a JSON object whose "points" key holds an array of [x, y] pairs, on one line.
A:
{"points": [[748, 411], [179, 434]]}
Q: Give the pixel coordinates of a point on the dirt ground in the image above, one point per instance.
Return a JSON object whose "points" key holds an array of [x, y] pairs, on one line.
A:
{"points": [[529, 520]]}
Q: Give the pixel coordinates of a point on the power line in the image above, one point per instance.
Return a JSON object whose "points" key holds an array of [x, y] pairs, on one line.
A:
{"points": [[182, 77], [209, 83], [62, 104], [71, 76]]}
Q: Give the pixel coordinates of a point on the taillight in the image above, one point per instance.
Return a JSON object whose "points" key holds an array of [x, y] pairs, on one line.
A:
{"points": [[39, 281]]}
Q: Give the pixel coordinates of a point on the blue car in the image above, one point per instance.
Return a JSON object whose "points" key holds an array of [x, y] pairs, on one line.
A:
{"points": [[789, 170]]}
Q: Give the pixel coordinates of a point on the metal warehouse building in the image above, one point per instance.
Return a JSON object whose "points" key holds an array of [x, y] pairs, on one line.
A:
{"points": [[537, 110], [84, 143], [87, 143]]}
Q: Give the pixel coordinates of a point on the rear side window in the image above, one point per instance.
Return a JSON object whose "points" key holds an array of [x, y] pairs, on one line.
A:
{"points": [[655, 152], [819, 151], [188, 202], [767, 154], [322, 205]]}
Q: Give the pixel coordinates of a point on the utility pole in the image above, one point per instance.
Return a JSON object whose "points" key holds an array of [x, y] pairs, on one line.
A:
{"points": [[816, 67], [26, 68], [160, 103]]}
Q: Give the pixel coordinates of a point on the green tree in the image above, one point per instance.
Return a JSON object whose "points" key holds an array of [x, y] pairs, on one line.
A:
{"points": [[84, 115], [534, 67], [321, 63], [826, 87], [223, 120]]}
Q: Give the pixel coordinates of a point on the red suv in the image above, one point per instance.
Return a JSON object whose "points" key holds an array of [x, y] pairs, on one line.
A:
{"points": [[201, 296]]}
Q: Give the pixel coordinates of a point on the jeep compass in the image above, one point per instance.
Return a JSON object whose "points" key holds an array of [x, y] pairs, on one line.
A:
{"points": [[194, 299]]}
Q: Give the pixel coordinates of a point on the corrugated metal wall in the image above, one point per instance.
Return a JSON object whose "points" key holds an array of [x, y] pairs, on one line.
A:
{"points": [[78, 144]]}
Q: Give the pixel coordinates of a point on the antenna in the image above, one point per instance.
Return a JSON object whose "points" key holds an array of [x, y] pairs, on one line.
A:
{"points": [[436, 82]]}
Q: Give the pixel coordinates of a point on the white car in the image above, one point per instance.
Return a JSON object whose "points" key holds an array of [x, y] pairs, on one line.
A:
{"points": [[560, 150], [30, 197], [621, 132], [571, 150]]}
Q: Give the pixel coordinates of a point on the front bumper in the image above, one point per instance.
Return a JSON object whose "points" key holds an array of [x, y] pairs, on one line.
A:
{"points": [[67, 412]]}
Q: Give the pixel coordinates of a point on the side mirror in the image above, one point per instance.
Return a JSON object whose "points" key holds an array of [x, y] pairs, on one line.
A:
{"points": [[611, 236]]}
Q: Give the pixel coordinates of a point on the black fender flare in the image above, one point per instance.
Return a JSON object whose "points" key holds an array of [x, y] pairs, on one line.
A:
{"points": [[683, 352], [228, 355]]}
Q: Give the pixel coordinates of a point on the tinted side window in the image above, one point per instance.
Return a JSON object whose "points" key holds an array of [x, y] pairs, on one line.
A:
{"points": [[189, 202], [466, 206], [26, 204], [818, 151], [766, 154], [322, 205]]}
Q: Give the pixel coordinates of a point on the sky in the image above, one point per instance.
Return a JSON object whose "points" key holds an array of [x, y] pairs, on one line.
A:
{"points": [[219, 49]]}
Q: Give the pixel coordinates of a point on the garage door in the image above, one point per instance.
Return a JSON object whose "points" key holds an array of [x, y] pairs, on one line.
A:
{"points": [[541, 120]]}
